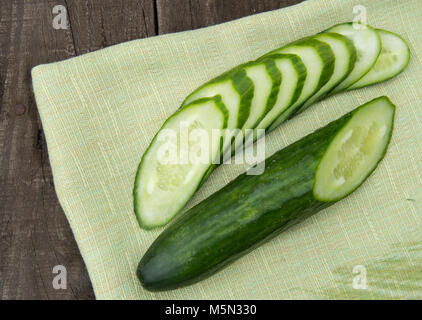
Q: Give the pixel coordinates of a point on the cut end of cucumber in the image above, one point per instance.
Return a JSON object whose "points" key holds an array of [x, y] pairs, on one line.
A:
{"points": [[177, 159], [355, 151]]}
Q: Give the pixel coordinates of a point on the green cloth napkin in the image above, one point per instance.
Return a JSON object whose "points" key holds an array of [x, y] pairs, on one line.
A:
{"points": [[100, 111]]}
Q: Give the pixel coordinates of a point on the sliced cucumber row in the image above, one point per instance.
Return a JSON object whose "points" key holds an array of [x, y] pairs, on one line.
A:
{"points": [[266, 78], [345, 58], [294, 74], [319, 58], [262, 94]]}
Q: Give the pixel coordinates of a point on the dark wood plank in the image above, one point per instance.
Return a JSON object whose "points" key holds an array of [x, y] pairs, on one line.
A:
{"points": [[34, 233], [180, 15], [101, 23]]}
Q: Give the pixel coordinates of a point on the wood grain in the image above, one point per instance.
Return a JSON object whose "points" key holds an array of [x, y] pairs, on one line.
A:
{"points": [[181, 15], [34, 233]]}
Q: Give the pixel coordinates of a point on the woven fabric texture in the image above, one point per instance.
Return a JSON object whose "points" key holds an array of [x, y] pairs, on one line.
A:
{"points": [[100, 110]]}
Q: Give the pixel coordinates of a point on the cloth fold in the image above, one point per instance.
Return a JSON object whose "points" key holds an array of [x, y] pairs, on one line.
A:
{"points": [[99, 112]]}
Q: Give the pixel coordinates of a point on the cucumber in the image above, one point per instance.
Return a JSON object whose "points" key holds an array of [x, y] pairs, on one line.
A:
{"points": [[293, 75], [266, 79], [393, 59], [236, 91], [355, 151], [262, 94], [368, 47], [298, 181], [162, 187], [319, 62], [345, 58]]}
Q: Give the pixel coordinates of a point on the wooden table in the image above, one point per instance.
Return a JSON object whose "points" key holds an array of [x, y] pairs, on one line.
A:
{"points": [[34, 233]]}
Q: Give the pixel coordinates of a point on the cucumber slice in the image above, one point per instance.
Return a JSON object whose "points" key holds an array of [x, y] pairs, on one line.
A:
{"points": [[293, 76], [355, 151], [251, 210], [345, 58], [393, 59], [368, 46], [266, 78], [319, 62], [236, 91], [163, 185]]}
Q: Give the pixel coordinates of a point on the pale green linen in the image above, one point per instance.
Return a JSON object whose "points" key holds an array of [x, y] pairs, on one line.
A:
{"points": [[100, 111]]}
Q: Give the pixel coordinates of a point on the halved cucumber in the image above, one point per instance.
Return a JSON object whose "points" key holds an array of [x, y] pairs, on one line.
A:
{"points": [[355, 151], [393, 59], [298, 181], [174, 164], [319, 62], [368, 46], [345, 58], [293, 76]]}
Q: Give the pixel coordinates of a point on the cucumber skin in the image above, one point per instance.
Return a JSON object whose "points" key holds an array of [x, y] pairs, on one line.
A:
{"points": [[352, 49], [276, 78], [327, 55], [301, 72], [247, 212], [245, 87], [269, 62], [324, 51]]}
